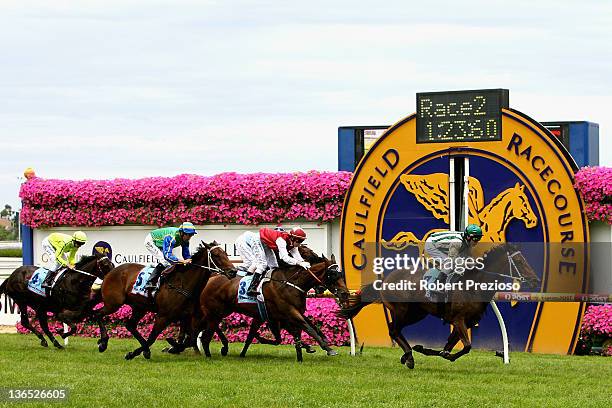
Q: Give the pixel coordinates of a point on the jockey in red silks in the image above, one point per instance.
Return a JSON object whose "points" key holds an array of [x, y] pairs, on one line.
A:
{"points": [[257, 251]]}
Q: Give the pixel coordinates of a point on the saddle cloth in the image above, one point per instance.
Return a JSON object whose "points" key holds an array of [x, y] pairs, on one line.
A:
{"points": [[242, 296], [36, 281], [141, 281]]}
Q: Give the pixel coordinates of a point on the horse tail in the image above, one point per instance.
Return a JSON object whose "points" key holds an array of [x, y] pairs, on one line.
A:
{"points": [[368, 293], [3, 286]]}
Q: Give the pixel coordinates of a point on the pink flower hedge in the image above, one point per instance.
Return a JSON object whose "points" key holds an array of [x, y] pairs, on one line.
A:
{"points": [[596, 329], [595, 186], [236, 326], [223, 198]]}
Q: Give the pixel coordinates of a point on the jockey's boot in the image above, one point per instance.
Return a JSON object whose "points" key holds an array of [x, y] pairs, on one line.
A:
{"points": [[252, 291], [152, 284], [48, 282]]}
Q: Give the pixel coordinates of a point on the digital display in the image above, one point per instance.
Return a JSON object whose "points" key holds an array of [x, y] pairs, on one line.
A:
{"points": [[470, 116]]}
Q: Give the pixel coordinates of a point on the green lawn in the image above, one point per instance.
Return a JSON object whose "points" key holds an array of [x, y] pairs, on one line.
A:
{"points": [[270, 377]]}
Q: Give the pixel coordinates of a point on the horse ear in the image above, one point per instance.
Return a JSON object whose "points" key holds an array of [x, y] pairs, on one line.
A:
{"points": [[214, 243], [333, 258]]}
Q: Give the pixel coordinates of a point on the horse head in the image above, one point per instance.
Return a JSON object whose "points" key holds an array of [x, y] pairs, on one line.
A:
{"points": [[520, 207], [330, 277], [213, 257], [505, 259]]}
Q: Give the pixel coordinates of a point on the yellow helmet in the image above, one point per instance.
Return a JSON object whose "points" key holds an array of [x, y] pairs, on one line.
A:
{"points": [[79, 236]]}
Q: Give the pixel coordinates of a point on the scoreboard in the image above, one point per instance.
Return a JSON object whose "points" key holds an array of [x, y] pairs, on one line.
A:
{"points": [[471, 116]]}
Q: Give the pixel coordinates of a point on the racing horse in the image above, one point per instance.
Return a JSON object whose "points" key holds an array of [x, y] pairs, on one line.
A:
{"points": [[184, 341], [462, 308], [285, 302], [69, 299], [173, 302]]}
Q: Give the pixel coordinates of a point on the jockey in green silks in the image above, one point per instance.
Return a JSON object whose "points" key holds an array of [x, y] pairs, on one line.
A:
{"points": [[162, 241]]}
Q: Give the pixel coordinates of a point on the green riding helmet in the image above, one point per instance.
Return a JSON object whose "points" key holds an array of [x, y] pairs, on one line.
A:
{"points": [[473, 231]]}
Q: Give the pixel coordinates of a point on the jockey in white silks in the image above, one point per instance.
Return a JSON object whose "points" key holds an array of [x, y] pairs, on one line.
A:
{"points": [[257, 251]]}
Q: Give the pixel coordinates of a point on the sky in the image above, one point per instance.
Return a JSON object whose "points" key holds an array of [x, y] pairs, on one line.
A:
{"points": [[130, 89]]}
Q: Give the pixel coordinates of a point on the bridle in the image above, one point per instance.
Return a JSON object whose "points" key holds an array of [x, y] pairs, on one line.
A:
{"points": [[512, 267], [210, 263]]}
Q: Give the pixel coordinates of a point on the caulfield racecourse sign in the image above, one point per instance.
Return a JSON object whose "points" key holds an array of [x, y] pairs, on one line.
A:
{"points": [[518, 186]]}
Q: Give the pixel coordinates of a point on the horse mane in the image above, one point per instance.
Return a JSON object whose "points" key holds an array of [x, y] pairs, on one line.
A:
{"points": [[85, 260], [496, 250]]}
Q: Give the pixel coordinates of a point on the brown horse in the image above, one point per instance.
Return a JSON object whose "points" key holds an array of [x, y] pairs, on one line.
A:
{"points": [[285, 299], [184, 341], [173, 302], [69, 299], [463, 309]]}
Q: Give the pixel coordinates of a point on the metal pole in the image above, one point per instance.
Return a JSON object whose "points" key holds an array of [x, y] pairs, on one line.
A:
{"points": [[66, 328], [451, 193], [352, 335], [502, 327]]}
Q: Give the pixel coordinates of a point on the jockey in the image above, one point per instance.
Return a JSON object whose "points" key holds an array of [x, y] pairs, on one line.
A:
{"points": [[61, 249], [445, 245], [256, 251], [162, 241]]}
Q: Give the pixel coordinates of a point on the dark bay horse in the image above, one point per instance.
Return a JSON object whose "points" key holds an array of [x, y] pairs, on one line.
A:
{"points": [[463, 310], [174, 301], [69, 299], [285, 296]]}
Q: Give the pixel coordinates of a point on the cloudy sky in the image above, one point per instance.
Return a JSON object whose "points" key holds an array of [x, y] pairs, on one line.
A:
{"points": [[105, 89]]}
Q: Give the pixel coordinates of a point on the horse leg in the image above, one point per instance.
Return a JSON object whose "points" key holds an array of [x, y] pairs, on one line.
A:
{"points": [[42, 319], [25, 322], [302, 321], [224, 341], [297, 338], [275, 329], [99, 316], [465, 339], [452, 340], [255, 325], [319, 332], [207, 336], [395, 332], [132, 325], [184, 339]]}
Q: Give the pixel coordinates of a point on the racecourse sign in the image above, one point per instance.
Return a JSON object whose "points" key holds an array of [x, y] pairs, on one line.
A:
{"points": [[518, 187]]}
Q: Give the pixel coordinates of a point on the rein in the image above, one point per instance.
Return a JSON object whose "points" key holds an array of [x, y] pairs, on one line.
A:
{"points": [[512, 267], [209, 262]]}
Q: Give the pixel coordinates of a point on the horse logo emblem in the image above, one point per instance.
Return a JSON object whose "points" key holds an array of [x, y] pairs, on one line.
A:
{"points": [[431, 191]]}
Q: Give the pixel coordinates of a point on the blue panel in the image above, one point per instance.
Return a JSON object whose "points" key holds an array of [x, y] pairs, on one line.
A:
{"points": [[495, 179], [584, 143], [346, 149], [27, 242]]}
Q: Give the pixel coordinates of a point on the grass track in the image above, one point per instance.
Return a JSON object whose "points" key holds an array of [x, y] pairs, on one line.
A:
{"points": [[270, 377]]}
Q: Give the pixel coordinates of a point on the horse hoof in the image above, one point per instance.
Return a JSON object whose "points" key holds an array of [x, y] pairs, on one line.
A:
{"points": [[332, 353], [102, 347], [129, 355], [242, 355], [147, 354], [172, 350], [418, 348], [58, 346], [224, 351], [44, 343], [444, 354], [410, 363], [404, 358]]}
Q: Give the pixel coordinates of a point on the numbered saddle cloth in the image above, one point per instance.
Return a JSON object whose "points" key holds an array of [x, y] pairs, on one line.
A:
{"points": [[243, 286], [141, 281], [36, 281]]}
